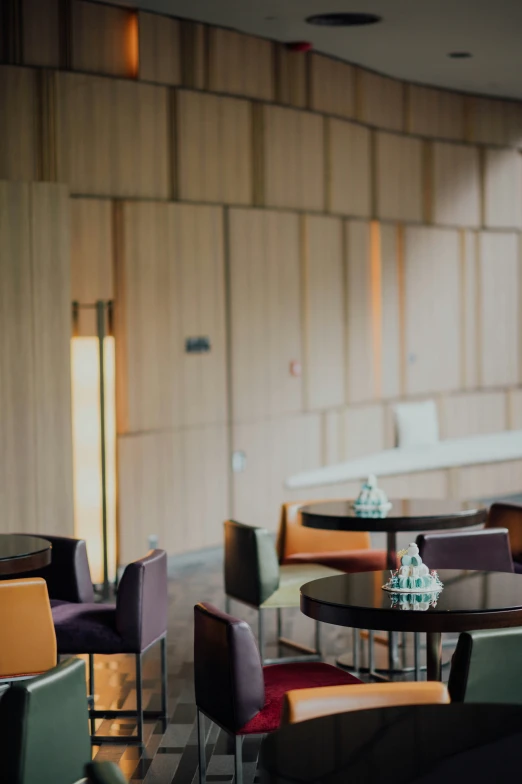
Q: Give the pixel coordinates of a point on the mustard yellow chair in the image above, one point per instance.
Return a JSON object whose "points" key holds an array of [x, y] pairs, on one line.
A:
{"points": [[304, 704], [28, 640]]}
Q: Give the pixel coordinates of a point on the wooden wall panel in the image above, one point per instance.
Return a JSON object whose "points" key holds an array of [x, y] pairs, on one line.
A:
{"points": [[104, 39], [214, 148], [399, 177], [291, 77], [180, 295], [332, 86], [194, 52], [363, 431], [41, 33], [112, 137], [432, 310], [293, 158], [51, 311], [324, 311], [361, 367], [265, 312], [515, 409], [487, 120], [485, 481], [348, 174], [274, 449], [435, 113], [391, 349], [472, 413], [502, 189], [91, 250], [380, 100], [240, 64], [499, 286], [456, 185], [470, 309], [19, 159], [421, 484], [159, 48]]}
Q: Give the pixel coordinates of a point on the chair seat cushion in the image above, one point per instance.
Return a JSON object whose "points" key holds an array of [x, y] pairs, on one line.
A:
{"points": [[518, 567], [87, 628], [344, 561], [291, 578], [280, 678]]}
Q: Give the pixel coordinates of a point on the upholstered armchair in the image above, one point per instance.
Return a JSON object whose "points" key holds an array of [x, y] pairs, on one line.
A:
{"points": [[68, 576]]}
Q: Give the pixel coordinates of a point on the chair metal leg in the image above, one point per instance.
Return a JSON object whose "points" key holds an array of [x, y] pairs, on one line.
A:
{"points": [[238, 760], [417, 653], [139, 698], [90, 698], [202, 755], [356, 649], [371, 652], [227, 604], [261, 635], [164, 679], [318, 638], [279, 613]]}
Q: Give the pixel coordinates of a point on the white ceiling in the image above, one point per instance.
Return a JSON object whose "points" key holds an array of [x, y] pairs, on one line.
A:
{"points": [[411, 42]]}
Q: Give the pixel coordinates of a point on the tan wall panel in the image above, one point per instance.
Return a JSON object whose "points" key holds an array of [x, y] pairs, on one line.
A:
{"points": [[348, 172], [361, 368], [51, 311], [104, 39], [291, 77], [18, 129], [265, 303], [240, 64], [112, 137], [363, 431], [470, 309], [324, 312], [214, 138], [472, 413], [483, 481], [293, 144], [456, 185], [432, 310], [170, 284], [515, 409], [399, 177], [380, 100], [275, 449], [487, 120], [502, 189], [422, 484], [91, 250], [499, 285], [435, 113], [160, 48], [40, 33], [193, 36], [392, 357], [332, 86]]}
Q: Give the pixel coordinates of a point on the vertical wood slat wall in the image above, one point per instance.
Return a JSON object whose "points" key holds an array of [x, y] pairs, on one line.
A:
{"points": [[325, 210]]}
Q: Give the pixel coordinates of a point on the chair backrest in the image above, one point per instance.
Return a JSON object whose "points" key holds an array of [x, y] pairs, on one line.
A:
{"points": [[104, 773], [27, 636], [68, 576], [486, 667], [293, 537], [228, 675], [251, 565], [141, 602], [503, 515], [44, 731], [487, 549], [304, 704]]}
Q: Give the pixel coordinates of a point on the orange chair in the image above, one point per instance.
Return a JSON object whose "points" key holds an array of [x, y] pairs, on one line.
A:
{"points": [[28, 645], [304, 704], [348, 551]]}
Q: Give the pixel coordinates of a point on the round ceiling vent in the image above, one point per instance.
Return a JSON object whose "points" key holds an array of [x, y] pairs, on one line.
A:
{"points": [[343, 19], [460, 55]]}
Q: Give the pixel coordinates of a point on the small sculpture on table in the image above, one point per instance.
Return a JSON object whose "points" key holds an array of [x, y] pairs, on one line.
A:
{"points": [[371, 501], [413, 576]]}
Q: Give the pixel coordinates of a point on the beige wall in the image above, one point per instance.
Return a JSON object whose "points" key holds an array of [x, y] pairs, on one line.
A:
{"points": [[294, 209]]}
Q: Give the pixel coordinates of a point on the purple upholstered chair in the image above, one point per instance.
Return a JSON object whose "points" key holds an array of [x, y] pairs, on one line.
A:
{"points": [[486, 550], [504, 514], [232, 687], [135, 623]]}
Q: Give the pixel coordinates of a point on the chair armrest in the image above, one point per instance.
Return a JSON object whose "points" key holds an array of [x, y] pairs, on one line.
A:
{"points": [[141, 602], [68, 576], [251, 565], [304, 704]]}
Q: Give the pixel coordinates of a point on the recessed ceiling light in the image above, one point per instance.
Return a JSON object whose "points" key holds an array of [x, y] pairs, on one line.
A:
{"points": [[460, 55], [343, 20]]}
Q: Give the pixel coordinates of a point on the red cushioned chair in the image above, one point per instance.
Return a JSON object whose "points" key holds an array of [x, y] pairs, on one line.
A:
{"points": [[234, 690]]}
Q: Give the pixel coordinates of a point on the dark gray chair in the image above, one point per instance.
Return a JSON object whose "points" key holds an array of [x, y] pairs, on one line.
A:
{"points": [[486, 667], [507, 515], [104, 773]]}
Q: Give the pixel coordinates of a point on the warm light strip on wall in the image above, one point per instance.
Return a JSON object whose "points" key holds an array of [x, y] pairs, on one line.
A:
{"points": [[376, 304], [132, 39], [85, 371]]}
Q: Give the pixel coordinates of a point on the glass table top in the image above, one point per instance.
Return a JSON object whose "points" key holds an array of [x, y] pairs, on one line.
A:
{"points": [[17, 546]]}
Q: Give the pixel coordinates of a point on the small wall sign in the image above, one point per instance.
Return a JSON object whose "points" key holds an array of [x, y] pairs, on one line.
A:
{"points": [[197, 345]]}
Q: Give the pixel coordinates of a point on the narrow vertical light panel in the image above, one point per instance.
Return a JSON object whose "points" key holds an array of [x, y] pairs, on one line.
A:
{"points": [[88, 491], [376, 304], [132, 45]]}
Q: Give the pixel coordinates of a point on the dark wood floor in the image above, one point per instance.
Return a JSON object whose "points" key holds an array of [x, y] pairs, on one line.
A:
{"points": [[170, 752]]}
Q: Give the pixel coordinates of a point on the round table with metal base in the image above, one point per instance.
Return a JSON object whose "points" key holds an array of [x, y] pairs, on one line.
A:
{"points": [[404, 515], [20, 553], [469, 601]]}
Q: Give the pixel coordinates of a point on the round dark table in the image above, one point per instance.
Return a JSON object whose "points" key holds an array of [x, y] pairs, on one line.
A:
{"points": [[23, 553], [420, 743], [405, 515], [469, 600]]}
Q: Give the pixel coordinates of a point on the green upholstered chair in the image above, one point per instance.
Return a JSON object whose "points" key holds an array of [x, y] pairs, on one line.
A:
{"points": [[104, 773], [44, 727], [254, 577], [486, 667]]}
